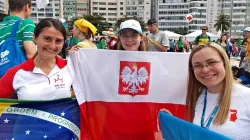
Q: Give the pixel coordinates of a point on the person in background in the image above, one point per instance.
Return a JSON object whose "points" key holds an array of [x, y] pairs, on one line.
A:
{"points": [[203, 38], [46, 75], [180, 44], [246, 61], [215, 101], [225, 45], [130, 36], [83, 31], [171, 46], [157, 41], [112, 38], [103, 44], [20, 9]]}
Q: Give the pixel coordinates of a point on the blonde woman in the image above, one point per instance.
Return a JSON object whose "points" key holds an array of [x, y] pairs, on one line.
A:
{"points": [[216, 102]]}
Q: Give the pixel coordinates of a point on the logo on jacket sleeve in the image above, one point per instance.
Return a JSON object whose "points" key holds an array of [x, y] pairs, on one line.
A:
{"points": [[134, 78], [233, 115]]}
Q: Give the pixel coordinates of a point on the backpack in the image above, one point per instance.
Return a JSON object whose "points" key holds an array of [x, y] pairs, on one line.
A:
{"points": [[10, 53]]}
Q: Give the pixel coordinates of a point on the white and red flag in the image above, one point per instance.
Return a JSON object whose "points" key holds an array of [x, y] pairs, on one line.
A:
{"points": [[121, 92]]}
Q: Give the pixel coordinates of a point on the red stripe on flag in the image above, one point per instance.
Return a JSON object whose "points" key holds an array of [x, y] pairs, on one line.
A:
{"points": [[126, 121]]}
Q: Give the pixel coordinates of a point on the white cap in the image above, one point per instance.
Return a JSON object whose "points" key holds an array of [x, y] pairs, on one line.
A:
{"points": [[247, 29], [131, 24]]}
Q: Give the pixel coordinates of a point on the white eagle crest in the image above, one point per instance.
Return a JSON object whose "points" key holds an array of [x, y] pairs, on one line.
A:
{"points": [[134, 78]]}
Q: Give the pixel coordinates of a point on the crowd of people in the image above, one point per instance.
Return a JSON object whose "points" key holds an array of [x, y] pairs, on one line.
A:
{"points": [[212, 92]]}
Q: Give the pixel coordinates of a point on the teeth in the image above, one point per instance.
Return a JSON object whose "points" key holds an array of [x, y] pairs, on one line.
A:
{"points": [[49, 50], [207, 77]]}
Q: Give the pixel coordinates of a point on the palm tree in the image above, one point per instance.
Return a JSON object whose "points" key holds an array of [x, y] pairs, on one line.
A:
{"points": [[223, 23]]}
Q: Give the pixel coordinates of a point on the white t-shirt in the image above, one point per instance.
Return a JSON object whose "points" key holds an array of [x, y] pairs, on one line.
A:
{"points": [[237, 125], [161, 38]]}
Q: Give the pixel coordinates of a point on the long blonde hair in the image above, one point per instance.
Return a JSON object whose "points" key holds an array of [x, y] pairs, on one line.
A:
{"points": [[195, 88]]}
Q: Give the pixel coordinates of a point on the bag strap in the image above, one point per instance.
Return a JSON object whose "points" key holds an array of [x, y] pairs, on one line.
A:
{"points": [[15, 28]]}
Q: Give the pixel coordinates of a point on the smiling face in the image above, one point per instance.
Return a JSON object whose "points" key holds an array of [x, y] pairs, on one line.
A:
{"points": [[213, 73], [49, 43], [130, 39]]}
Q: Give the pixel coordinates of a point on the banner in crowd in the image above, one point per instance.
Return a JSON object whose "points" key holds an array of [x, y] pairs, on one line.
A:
{"points": [[121, 92], [37, 120], [173, 128]]}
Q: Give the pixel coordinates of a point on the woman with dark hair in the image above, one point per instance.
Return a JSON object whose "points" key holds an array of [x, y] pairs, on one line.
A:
{"points": [[130, 36], [180, 44], [46, 75], [225, 45]]}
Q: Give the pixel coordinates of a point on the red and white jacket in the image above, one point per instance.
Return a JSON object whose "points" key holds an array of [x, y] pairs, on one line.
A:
{"points": [[30, 82]]}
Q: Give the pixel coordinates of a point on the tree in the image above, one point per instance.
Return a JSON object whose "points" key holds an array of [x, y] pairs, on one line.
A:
{"points": [[181, 30], [120, 20], [223, 23], [97, 20]]}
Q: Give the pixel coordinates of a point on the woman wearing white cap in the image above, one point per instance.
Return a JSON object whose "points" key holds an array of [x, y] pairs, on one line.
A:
{"points": [[130, 36], [246, 60]]}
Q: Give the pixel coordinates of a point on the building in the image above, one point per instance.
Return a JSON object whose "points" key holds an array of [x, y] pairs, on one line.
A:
{"points": [[214, 9], [139, 8], [52, 10], [240, 15], [111, 10], [4, 7], [69, 8], [82, 7], [170, 14]]}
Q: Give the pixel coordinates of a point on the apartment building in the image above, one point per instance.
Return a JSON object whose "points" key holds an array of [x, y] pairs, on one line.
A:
{"points": [[52, 10], [139, 8], [171, 13], [69, 8], [111, 10], [240, 15], [82, 7]]}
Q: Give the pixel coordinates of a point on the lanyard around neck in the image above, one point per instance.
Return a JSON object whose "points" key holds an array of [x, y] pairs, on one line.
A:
{"points": [[211, 116]]}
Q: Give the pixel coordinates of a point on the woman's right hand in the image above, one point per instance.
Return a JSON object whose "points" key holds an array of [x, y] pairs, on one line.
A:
{"points": [[167, 111], [74, 48]]}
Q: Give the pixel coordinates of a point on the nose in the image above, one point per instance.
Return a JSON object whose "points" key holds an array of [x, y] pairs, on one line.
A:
{"points": [[52, 45], [205, 68]]}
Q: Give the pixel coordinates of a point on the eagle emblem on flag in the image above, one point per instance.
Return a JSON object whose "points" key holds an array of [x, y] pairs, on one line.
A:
{"points": [[134, 78]]}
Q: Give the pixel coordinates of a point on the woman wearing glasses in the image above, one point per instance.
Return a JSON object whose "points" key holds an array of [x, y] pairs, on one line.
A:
{"points": [[217, 103], [130, 36]]}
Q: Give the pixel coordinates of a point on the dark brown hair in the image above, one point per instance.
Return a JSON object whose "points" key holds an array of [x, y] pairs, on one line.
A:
{"points": [[17, 5]]}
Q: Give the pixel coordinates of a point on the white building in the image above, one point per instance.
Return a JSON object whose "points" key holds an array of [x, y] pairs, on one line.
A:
{"points": [[170, 14], [139, 8], [52, 10], [240, 15], [111, 10]]}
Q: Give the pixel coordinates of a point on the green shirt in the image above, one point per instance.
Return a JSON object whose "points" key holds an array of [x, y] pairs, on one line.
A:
{"points": [[202, 39], [180, 44], [24, 32], [73, 41]]}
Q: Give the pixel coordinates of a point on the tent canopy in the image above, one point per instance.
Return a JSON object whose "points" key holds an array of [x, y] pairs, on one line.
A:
{"points": [[191, 37], [172, 35]]}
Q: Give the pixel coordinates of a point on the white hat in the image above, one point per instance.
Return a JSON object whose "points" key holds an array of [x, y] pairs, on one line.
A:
{"points": [[247, 29], [131, 24], [109, 33]]}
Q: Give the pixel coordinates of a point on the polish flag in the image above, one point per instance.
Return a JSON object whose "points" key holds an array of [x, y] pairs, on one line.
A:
{"points": [[120, 93]]}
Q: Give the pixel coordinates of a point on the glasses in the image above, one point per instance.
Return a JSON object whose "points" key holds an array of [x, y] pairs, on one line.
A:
{"points": [[209, 65], [134, 36]]}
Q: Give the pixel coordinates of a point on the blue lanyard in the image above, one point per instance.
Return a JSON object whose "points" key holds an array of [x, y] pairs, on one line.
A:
{"points": [[211, 116]]}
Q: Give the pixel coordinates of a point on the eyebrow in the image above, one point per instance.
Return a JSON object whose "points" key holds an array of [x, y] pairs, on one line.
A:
{"points": [[205, 61]]}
